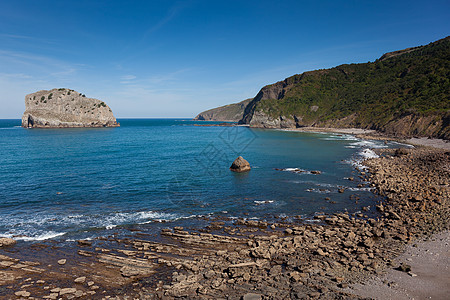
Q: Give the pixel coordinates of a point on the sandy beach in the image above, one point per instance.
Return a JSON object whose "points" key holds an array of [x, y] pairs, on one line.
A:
{"points": [[429, 277]]}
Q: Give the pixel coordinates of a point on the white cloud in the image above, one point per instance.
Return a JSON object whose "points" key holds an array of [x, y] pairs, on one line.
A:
{"points": [[128, 77]]}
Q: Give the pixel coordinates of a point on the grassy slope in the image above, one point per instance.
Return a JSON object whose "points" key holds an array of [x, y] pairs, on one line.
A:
{"points": [[231, 112], [413, 82]]}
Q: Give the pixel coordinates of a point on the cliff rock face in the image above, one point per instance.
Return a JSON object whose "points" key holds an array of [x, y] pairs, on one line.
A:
{"points": [[404, 93], [59, 108], [232, 112]]}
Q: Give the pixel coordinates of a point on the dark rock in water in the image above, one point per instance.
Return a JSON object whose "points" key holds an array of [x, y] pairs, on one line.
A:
{"points": [[84, 243], [240, 165]]}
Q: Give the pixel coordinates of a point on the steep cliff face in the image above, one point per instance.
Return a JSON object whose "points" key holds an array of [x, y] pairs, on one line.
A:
{"points": [[232, 112], [404, 93], [65, 108]]}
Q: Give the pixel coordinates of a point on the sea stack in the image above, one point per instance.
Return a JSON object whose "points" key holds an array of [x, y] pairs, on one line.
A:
{"points": [[240, 165], [61, 108]]}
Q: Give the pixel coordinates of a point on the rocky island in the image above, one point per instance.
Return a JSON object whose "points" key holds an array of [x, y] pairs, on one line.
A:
{"points": [[61, 108]]}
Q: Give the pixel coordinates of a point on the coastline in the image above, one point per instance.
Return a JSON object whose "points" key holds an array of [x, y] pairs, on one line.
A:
{"points": [[376, 135], [242, 257]]}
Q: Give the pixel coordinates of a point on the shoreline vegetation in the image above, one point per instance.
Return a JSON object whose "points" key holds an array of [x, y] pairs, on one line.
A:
{"points": [[247, 259]]}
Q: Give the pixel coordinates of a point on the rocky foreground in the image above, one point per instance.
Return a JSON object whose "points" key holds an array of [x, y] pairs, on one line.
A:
{"points": [[251, 259], [61, 108]]}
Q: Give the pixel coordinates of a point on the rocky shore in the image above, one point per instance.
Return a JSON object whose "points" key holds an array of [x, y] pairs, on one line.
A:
{"points": [[247, 259]]}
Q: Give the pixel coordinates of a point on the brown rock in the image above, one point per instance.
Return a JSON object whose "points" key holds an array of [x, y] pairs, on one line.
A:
{"points": [[22, 294], [240, 165], [84, 243], [6, 242], [251, 296], [67, 291], [80, 279]]}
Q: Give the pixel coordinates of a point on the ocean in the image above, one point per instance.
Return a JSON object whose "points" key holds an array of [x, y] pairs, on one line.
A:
{"points": [[68, 184]]}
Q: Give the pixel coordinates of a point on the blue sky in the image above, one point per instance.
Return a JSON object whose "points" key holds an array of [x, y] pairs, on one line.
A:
{"points": [[177, 58]]}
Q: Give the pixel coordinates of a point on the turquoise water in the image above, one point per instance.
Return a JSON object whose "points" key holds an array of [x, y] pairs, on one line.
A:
{"points": [[81, 183]]}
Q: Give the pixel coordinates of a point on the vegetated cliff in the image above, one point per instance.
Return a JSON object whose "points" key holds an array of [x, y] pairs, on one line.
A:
{"points": [[232, 112], [404, 93], [65, 108]]}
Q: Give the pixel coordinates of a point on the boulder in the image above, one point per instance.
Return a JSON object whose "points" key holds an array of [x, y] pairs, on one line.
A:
{"points": [[240, 165], [6, 242]]}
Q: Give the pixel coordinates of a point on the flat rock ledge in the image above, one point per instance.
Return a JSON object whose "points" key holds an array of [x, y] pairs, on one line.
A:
{"points": [[240, 165], [6, 242], [65, 108]]}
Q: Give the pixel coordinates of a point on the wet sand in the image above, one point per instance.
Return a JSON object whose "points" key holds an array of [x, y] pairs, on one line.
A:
{"points": [[429, 277]]}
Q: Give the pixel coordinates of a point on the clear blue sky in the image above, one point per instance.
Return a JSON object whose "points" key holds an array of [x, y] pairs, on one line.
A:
{"points": [[177, 58]]}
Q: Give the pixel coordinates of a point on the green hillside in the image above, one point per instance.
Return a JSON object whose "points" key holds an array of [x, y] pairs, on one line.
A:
{"points": [[410, 86], [231, 112]]}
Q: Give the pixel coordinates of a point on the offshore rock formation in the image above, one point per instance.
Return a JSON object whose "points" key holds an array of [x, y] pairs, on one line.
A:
{"points": [[59, 108], [232, 112], [240, 165], [404, 93]]}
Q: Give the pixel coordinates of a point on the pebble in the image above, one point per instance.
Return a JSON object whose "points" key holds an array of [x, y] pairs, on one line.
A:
{"points": [[22, 294], [80, 279]]}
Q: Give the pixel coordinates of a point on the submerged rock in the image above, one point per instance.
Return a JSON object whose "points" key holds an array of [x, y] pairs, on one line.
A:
{"points": [[59, 108], [240, 165]]}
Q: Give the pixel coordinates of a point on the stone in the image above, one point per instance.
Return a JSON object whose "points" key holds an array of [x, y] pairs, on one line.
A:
{"points": [[251, 296], [404, 268], [80, 279], [84, 243], [240, 165], [210, 274], [59, 108], [67, 291], [22, 294], [6, 241], [62, 261]]}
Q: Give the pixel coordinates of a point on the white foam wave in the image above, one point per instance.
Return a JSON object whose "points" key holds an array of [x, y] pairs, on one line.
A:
{"points": [[264, 201], [320, 191], [296, 170], [41, 237], [368, 144], [362, 189], [368, 153]]}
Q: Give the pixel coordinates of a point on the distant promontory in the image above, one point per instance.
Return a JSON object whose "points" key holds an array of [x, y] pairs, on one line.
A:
{"points": [[61, 108], [231, 112]]}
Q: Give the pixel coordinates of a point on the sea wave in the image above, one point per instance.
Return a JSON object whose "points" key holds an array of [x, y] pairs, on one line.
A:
{"points": [[42, 226], [36, 237], [295, 170], [263, 201]]}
